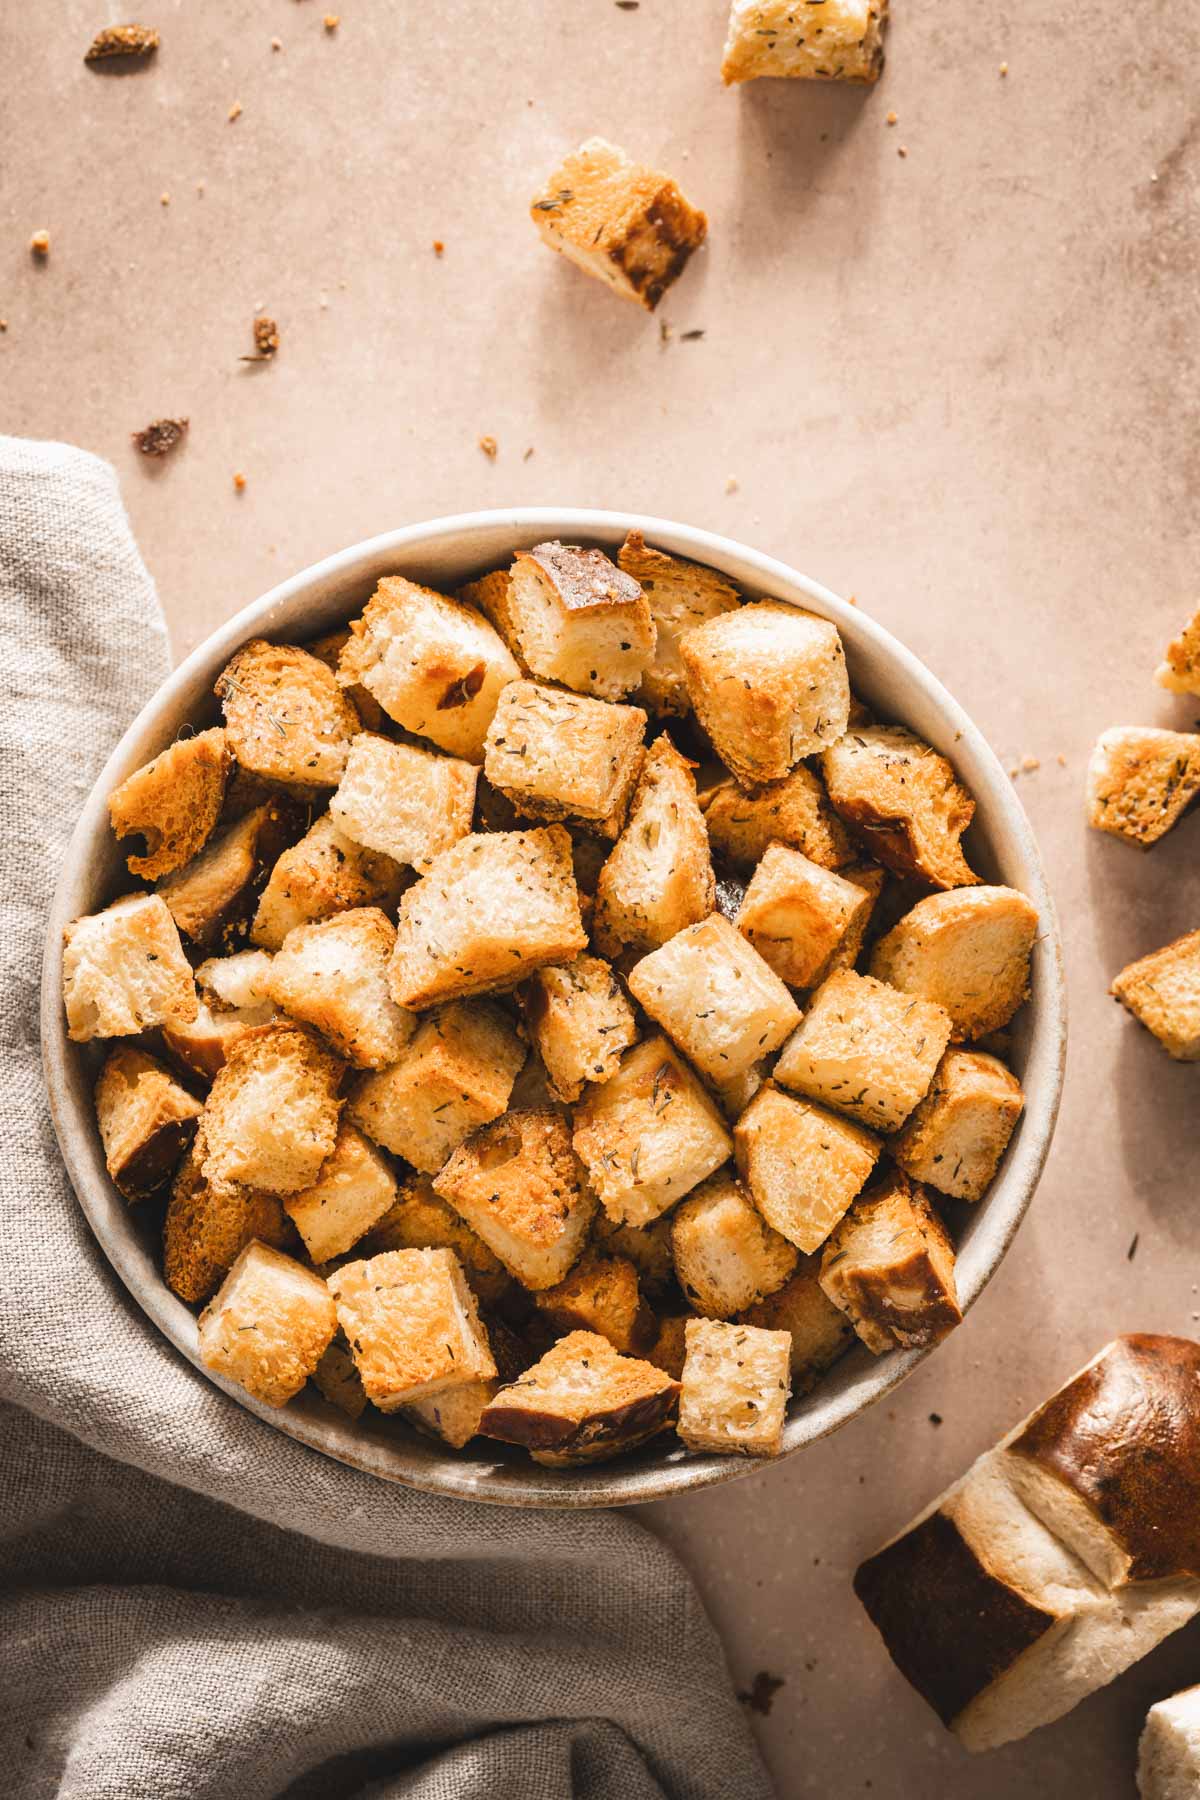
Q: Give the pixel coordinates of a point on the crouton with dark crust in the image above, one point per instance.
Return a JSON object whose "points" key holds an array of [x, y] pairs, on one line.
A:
{"points": [[173, 803]]}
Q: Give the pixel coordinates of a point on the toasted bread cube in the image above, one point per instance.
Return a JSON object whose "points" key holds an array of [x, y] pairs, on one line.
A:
{"points": [[601, 1293], [659, 877], [242, 980], [736, 1094], [680, 594], [286, 717], [202, 1044], [796, 914], [435, 666], [768, 683], [173, 802], [967, 951], [454, 1414], [904, 800], [580, 620], [334, 975], [840, 41], [743, 822], [211, 896], [736, 1383], [269, 1326], [325, 873], [350, 1195], [206, 1228], [455, 1074], [1162, 991], [328, 649], [579, 1022], [412, 1325], [668, 1352], [146, 1121], [802, 1165], [889, 1266], [487, 913], [623, 222], [647, 1247], [338, 1381], [518, 1184], [726, 1255], [649, 1135], [419, 1219], [124, 970], [865, 1049], [272, 1114], [1141, 781], [960, 1130], [713, 993], [869, 879], [564, 756], [492, 596], [820, 1331], [1180, 669], [407, 803], [582, 1402]]}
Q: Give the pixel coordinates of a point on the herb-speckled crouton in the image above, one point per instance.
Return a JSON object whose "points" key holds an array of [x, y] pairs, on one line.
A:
{"points": [[124, 971], [659, 876], [820, 1331], [768, 683], [210, 898], [406, 803], [173, 803], [492, 596], [518, 1184], [325, 873], [889, 1266], [582, 1402], [904, 800], [680, 594], [419, 1219], [743, 822], [486, 914], [579, 1021], [328, 649], [1162, 991], [1141, 781], [272, 1114], [833, 40], [736, 1383], [350, 1195], [601, 1293], [580, 620], [960, 1130], [269, 1326], [286, 718], [559, 755], [865, 1049], [726, 1255], [334, 975], [455, 1074], [338, 1381], [797, 914], [802, 1165], [647, 1247], [146, 1121], [206, 1228], [967, 951], [453, 1414], [412, 1325], [1180, 669]]}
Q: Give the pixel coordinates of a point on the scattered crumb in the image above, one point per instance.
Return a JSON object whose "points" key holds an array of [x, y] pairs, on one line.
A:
{"points": [[690, 337], [1013, 773], [1004, 68], [164, 199], [324, 301], [902, 150], [1062, 761], [935, 1418], [1030, 763], [331, 21], [731, 484], [439, 249], [277, 43], [527, 454], [759, 1697], [490, 447], [121, 40], [266, 340], [239, 481], [664, 332], [891, 119], [1132, 1250], [200, 187], [160, 437], [853, 600], [235, 111], [3, 324], [627, 5], [39, 243]]}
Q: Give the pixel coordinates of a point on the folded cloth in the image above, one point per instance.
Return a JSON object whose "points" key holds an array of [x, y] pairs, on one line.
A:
{"points": [[191, 1604]]}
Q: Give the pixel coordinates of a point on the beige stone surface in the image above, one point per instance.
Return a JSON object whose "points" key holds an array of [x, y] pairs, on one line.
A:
{"points": [[960, 384]]}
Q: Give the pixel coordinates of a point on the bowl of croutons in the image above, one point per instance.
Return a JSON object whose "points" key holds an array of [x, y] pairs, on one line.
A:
{"points": [[553, 1007]]}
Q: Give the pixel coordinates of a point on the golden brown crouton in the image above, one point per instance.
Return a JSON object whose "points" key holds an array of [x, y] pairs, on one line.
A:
{"points": [[647, 1247], [124, 971], [802, 1165], [743, 821], [726, 1255], [768, 683], [350, 1195], [518, 1184], [580, 620], [668, 1352], [648, 1135], [334, 975], [146, 1121], [286, 718], [407, 803], [736, 1383], [601, 1294], [435, 666], [272, 1113], [206, 1228], [820, 1333], [680, 594], [412, 1325], [967, 951], [713, 993], [866, 1049], [1180, 670], [269, 1326], [210, 897], [659, 877], [202, 1044], [328, 649], [419, 1219], [455, 1074], [485, 915], [824, 40], [1162, 991], [797, 914], [869, 879], [960, 1130], [904, 801], [1141, 781], [559, 755], [338, 1381], [579, 1022], [242, 981], [582, 1403], [492, 596], [623, 222], [173, 803], [325, 873], [454, 1413], [890, 1267]]}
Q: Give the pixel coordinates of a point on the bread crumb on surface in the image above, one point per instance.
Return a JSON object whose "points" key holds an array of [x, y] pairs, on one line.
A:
{"points": [[1029, 763], [235, 111], [266, 340], [731, 484], [490, 447], [121, 40], [902, 150], [331, 21], [39, 243], [891, 119], [239, 480], [158, 438], [1004, 68], [439, 249], [164, 199]]}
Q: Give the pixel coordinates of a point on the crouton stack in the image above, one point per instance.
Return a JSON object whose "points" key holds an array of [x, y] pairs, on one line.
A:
{"points": [[479, 1067]]}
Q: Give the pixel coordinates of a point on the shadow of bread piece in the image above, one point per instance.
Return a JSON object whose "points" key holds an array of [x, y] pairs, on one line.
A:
{"points": [[680, 594], [124, 971], [325, 873], [269, 1326], [173, 802], [580, 620], [565, 756], [623, 222], [903, 800], [889, 1266], [1169, 1748], [271, 1117], [1180, 669], [286, 717], [734, 1394], [744, 821], [582, 1402], [412, 1325], [1061, 1557], [1141, 781], [967, 951], [835, 40], [146, 1121], [659, 877], [1162, 991], [954, 1140]]}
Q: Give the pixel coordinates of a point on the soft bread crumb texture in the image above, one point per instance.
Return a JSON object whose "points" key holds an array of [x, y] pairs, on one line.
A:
{"points": [[903, 800], [581, 620], [745, 820], [206, 1228], [797, 914], [579, 1022], [659, 877], [325, 873], [803, 1165], [954, 1140], [865, 1049], [353, 1191], [1180, 669], [560, 755], [967, 952], [736, 1384], [680, 594], [334, 975], [726, 1255], [272, 1114], [404, 802], [146, 1120]]}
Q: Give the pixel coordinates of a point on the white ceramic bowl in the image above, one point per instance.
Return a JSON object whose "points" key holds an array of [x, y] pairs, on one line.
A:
{"points": [[443, 553]]}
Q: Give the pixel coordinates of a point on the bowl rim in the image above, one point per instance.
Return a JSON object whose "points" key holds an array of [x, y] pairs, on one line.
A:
{"points": [[436, 1469]]}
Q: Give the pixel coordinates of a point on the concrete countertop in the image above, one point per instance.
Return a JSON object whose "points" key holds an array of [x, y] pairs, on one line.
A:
{"points": [[959, 383]]}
